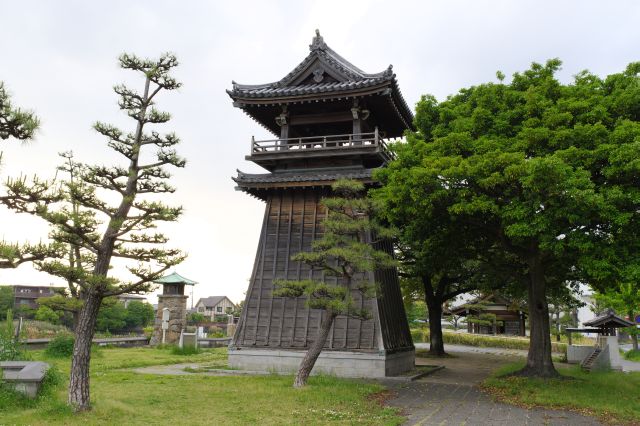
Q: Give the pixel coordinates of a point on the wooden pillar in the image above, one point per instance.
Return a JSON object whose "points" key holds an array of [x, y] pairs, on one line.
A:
{"points": [[357, 124], [283, 121]]}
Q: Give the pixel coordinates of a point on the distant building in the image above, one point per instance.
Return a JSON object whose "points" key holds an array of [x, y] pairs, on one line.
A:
{"points": [[506, 316], [25, 296], [128, 298], [214, 305]]}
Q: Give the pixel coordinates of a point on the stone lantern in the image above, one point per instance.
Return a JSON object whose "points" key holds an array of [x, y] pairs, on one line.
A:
{"points": [[174, 301]]}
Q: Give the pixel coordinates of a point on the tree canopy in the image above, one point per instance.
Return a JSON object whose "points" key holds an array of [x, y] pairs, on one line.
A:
{"points": [[547, 172], [15, 122], [108, 212]]}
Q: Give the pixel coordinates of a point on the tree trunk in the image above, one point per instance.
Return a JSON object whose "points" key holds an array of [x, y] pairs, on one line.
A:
{"points": [[79, 397], [313, 353], [436, 341], [539, 363]]}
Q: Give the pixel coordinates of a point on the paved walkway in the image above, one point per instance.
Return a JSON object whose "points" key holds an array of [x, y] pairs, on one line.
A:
{"points": [[451, 397]]}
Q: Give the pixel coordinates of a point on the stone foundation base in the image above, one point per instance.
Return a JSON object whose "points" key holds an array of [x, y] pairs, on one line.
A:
{"points": [[337, 363]]}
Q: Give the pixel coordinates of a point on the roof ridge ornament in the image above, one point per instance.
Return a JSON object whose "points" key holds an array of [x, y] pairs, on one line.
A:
{"points": [[317, 43]]}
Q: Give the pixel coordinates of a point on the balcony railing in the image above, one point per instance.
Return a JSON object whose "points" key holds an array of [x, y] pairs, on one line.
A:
{"points": [[319, 143]]}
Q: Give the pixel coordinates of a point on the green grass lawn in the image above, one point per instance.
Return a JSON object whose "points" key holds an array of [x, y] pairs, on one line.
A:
{"points": [[614, 397], [124, 397]]}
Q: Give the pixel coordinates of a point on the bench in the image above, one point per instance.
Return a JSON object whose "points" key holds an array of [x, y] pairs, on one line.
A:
{"points": [[24, 376]]}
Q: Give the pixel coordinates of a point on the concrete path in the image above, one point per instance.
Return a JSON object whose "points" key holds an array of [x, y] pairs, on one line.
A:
{"points": [[451, 397], [477, 349], [630, 365]]}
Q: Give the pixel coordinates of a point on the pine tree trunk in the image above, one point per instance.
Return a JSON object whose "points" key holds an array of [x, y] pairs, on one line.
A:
{"points": [[539, 363], [436, 341], [313, 353], [79, 396]]}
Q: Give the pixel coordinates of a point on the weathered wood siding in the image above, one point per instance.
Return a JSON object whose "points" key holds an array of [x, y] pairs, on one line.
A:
{"points": [[291, 222]]}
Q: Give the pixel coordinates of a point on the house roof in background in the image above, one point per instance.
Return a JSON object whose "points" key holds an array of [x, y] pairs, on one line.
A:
{"points": [[212, 301]]}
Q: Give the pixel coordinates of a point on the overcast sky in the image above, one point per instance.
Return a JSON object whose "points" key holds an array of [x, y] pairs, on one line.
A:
{"points": [[59, 59]]}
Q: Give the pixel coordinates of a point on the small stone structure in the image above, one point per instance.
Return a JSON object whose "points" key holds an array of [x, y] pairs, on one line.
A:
{"points": [[24, 376], [173, 299]]}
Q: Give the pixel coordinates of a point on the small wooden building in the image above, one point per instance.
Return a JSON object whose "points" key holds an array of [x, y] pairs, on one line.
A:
{"points": [[330, 120], [503, 316]]}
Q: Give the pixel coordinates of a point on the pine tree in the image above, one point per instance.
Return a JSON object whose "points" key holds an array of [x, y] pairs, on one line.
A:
{"points": [[15, 122], [94, 230], [345, 251]]}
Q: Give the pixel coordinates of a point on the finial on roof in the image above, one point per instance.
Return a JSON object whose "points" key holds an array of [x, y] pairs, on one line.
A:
{"points": [[317, 43]]}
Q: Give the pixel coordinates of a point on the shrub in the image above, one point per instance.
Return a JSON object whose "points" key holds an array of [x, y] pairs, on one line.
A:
{"points": [[632, 355], [10, 347], [61, 346]]}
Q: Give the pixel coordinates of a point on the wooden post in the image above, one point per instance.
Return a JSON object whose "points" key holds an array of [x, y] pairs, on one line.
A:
{"points": [[357, 122]]}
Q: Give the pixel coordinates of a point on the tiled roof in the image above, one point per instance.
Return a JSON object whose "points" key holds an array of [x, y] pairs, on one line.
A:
{"points": [[246, 179], [609, 320], [272, 90]]}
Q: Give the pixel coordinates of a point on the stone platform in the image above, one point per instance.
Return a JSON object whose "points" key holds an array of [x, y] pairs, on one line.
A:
{"points": [[337, 363]]}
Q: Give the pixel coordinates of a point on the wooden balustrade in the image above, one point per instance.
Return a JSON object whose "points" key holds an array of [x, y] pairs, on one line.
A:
{"points": [[324, 142]]}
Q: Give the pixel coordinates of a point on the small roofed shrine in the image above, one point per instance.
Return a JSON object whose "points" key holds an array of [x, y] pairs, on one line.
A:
{"points": [[605, 353], [171, 316], [329, 120], [608, 322]]}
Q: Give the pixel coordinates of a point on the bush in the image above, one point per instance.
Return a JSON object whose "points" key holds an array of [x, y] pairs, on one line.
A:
{"points": [[10, 347], [61, 346], [632, 355]]}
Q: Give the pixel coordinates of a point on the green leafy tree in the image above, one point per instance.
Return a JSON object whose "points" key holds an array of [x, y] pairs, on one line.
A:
{"points": [[108, 213], [139, 314], [440, 256], [544, 171], [45, 313], [195, 318], [112, 316], [345, 251]]}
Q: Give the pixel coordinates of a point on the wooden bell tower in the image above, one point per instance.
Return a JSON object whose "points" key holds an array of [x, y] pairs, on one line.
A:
{"points": [[330, 121]]}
